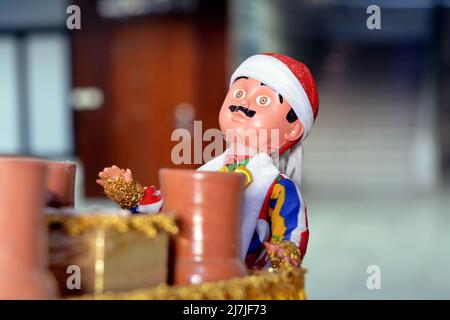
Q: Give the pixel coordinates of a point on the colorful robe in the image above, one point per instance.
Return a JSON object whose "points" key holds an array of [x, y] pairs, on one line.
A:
{"points": [[273, 209]]}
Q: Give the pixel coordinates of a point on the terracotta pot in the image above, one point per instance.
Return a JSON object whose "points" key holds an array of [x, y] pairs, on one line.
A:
{"points": [[23, 252], [60, 184], [207, 205]]}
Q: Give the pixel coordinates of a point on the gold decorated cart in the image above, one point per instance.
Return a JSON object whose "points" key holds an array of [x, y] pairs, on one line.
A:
{"points": [[113, 250]]}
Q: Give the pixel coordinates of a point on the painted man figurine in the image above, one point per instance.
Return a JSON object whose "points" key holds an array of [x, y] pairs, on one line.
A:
{"points": [[275, 98]]}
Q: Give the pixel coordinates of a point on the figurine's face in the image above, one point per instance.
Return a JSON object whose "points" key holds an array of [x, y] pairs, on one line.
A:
{"points": [[251, 106]]}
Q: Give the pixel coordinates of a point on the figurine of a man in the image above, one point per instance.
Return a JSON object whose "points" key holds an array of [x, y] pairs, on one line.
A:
{"points": [[274, 98]]}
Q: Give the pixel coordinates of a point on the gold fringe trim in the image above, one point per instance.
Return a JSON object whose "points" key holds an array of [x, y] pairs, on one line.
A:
{"points": [[286, 283], [149, 224]]}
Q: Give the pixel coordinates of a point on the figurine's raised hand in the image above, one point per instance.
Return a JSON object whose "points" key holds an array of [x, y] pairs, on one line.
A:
{"points": [[114, 172], [120, 187]]}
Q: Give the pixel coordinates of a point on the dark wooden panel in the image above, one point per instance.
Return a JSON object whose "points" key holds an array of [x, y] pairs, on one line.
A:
{"points": [[145, 67]]}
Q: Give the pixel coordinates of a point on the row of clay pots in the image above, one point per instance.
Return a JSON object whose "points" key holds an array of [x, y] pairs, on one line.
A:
{"points": [[27, 185], [207, 206]]}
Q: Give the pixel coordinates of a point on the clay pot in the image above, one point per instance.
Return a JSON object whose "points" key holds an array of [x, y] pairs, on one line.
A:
{"points": [[23, 249], [60, 184], [207, 206]]}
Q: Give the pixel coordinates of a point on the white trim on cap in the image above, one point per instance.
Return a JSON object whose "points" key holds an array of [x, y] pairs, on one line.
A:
{"points": [[275, 74]]}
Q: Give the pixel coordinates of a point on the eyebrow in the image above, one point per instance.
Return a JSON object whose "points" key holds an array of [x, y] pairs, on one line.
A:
{"points": [[279, 95], [239, 78]]}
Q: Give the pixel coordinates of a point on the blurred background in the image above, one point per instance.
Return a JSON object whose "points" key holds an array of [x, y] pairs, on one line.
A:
{"points": [[377, 164]]}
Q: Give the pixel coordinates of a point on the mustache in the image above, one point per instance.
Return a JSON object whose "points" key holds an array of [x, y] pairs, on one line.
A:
{"points": [[249, 113]]}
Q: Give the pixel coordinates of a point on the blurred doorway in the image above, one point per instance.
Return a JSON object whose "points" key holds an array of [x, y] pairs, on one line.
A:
{"points": [[156, 72]]}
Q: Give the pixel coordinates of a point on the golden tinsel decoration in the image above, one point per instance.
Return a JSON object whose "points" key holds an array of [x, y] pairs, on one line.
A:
{"points": [[149, 224], [286, 283], [126, 194], [290, 250]]}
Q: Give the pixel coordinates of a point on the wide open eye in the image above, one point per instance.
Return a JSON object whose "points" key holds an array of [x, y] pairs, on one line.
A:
{"points": [[239, 93], [263, 101]]}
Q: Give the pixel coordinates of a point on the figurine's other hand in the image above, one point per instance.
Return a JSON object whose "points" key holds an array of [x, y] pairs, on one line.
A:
{"points": [[114, 172], [282, 253]]}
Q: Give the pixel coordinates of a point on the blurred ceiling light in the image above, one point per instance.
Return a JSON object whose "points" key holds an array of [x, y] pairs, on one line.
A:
{"points": [[130, 8], [391, 4], [122, 8]]}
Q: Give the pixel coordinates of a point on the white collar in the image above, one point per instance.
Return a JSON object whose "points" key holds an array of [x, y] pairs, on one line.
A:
{"points": [[259, 163]]}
